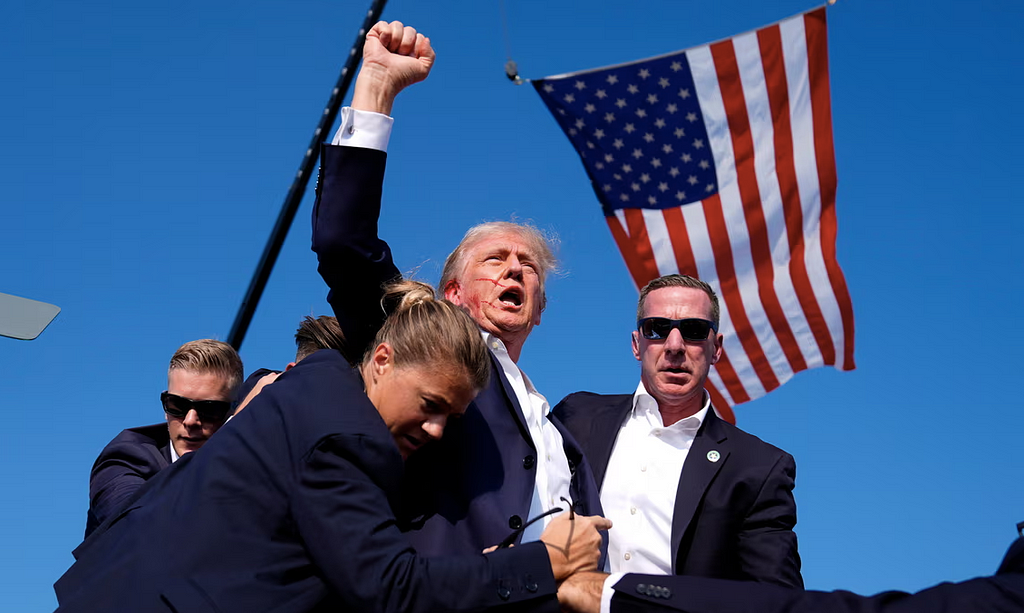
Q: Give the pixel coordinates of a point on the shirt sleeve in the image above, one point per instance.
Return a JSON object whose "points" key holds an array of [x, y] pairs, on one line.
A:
{"points": [[364, 129], [608, 591]]}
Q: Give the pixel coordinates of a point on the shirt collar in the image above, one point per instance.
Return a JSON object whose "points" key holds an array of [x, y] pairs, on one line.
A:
{"points": [[497, 347], [645, 406], [495, 344]]}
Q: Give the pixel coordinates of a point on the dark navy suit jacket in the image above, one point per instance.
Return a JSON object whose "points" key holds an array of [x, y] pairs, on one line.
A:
{"points": [[474, 486], [1001, 593], [288, 508], [124, 465], [733, 517]]}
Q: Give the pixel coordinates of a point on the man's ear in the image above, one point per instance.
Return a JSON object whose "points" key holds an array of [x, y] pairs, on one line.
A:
{"points": [[636, 345], [290, 366], [453, 292], [717, 355]]}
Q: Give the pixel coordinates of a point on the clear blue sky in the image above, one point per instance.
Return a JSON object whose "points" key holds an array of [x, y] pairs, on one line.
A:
{"points": [[145, 150]]}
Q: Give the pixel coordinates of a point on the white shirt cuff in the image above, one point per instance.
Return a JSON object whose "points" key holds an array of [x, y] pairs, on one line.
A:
{"points": [[364, 129], [608, 591]]}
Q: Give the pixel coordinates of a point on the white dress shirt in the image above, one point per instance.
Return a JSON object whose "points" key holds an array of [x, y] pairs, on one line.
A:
{"points": [[553, 475], [640, 484], [373, 131]]}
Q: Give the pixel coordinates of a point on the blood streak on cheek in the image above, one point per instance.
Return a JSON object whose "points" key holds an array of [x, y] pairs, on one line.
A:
{"points": [[495, 282]]}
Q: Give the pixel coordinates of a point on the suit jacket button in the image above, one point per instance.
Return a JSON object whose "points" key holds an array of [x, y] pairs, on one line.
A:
{"points": [[531, 587], [528, 462], [515, 522], [504, 593], [641, 588]]}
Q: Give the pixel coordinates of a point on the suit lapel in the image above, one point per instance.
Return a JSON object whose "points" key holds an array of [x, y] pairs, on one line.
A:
{"points": [[698, 473], [511, 399]]}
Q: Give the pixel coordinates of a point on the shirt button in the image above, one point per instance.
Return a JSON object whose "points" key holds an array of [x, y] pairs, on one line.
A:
{"points": [[643, 468], [657, 433], [627, 556], [351, 129], [632, 510]]}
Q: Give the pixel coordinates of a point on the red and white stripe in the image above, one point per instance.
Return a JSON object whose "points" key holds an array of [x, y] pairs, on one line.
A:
{"points": [[767, 241]]}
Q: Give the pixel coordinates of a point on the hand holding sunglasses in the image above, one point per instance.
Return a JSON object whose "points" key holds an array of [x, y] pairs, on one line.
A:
{"points": [[208, 410], [692, 329]]}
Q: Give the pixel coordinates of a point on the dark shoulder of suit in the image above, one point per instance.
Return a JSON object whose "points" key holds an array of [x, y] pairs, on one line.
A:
{"points": [[133, 457], [585, 412], [146, 442]]}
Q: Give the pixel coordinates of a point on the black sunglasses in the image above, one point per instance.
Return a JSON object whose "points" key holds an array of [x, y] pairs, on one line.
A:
{"points": [[692, 329], [208, 410]]}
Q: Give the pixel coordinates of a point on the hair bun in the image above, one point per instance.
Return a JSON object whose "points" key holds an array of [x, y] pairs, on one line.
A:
{"points": [[405, 294]]}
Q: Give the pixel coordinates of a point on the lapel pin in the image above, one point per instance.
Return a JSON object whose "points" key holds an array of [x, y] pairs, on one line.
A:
{"points": [[713, 455]]}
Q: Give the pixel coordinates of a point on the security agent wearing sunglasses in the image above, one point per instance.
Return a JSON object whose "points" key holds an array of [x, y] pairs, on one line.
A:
{"points": [[201, 381], [689, 493]]}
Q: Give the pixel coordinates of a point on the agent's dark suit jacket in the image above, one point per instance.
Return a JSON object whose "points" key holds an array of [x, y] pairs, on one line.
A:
{"points": [[1002, 593], [124, 465], [288, 508], [734, 517], [473, 487]]}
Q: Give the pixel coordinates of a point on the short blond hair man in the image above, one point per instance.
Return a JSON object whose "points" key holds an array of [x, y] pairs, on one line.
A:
{"points": [[201, 382]]}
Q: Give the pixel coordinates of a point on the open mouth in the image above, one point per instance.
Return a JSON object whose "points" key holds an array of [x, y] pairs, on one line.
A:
{"points": [[512, 297]]}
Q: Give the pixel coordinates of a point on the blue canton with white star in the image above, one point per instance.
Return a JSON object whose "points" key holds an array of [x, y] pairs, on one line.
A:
{"points": [[639, 130]]}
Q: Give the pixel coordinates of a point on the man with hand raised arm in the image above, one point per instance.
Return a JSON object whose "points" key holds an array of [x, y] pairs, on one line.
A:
{"points": [[506, 461]]}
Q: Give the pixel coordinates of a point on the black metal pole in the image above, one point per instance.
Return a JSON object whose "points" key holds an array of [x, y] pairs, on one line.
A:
{"points": [[298, 188]]}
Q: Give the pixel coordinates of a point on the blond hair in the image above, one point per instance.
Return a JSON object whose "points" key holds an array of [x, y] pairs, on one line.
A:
{"points": [[423, 329], [209, 356]]}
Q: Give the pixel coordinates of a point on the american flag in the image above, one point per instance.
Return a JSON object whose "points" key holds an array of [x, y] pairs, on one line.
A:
{"points": [[717, 162]]}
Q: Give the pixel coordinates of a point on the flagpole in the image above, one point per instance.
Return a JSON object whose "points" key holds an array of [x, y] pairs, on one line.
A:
{"points": [[298, 188]]}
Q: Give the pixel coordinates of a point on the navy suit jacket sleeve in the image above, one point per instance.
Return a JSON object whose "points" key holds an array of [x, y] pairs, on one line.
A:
{"points": [[353, 261], [1002, 592], [124, 465], [359, 557]]}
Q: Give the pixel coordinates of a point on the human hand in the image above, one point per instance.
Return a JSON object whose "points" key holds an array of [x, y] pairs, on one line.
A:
{"points": [[264, 381], [394, 57], [574, 544], [581, 593]]}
